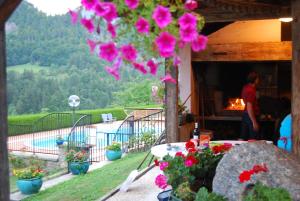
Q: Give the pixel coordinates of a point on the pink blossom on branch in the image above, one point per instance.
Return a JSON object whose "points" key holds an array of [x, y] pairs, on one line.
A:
{"points": [[199, 43], [191, 4], [88, 24], [107, 10], [129, 52], [165, 43], [142, 26], [111, 29], [132, 4], [163, 165], [74, 16], [153, 66], [89, 4], [92, 45], [188, 34], [187, 20], [168, 78], [161, 181], [140, 67], [162, 16], [113, 71], [108, 51]]}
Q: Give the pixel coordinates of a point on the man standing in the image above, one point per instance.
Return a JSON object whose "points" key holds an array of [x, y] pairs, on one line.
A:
{"points": [[250, 126]]}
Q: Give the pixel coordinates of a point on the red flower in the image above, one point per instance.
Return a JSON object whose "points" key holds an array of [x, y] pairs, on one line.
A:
{"points": [[156, 162], [192, 150], [180, 154], [190, 160], [260, 168], [245, 176], [189, 145]]}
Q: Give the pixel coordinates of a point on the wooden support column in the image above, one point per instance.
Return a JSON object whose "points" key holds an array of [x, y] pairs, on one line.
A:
{"points": [[171, 103], [296, 76], [4, 173]]}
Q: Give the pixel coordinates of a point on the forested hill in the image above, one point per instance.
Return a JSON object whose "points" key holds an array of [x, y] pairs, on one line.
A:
{"points": [[53, 62], [34, 37]]}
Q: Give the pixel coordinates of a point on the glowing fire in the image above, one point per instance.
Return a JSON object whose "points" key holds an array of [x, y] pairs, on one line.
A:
{"points": [[235, 104]]}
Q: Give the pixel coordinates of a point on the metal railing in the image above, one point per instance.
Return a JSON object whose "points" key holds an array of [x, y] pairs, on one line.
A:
{"points": [[41, 135]]}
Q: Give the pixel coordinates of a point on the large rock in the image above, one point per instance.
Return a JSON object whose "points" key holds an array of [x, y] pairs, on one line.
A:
{"points": [[284, 170]]}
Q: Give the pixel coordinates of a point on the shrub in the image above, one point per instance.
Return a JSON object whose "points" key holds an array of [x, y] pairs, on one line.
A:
{"points": [[115, 146]]}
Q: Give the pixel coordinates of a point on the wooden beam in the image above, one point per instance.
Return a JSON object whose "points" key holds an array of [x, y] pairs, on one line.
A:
{"points": [[4, 172], [264, 51], [232, 10], [171, 115], [7, 7], [295, 77]]}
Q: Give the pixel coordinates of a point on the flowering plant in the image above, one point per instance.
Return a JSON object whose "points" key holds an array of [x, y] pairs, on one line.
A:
{"points": [[29, 173], [115, 146], [141, 33], [77, 156], [193, 170]]}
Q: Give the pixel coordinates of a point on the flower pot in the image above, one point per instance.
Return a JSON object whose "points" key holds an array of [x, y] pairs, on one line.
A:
{"points": [[29, 186], [77, 168], [113, 155], [59, 141], [164, 196]]}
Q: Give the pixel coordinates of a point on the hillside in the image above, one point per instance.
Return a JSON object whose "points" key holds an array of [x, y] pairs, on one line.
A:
{"points": [[49, 60]]}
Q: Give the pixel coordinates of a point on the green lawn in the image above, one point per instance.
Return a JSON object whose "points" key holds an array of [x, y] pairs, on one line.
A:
{"points": [[31, 67], [93, 185]]}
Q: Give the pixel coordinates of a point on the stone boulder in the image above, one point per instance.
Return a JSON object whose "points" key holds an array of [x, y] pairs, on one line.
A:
{"points": [[284, 170]]}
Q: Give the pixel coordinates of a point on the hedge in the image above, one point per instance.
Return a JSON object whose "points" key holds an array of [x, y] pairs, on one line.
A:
{"points": [[22, 124]]}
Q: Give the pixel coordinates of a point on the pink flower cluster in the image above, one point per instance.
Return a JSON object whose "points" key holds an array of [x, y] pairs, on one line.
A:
{"points": [[161, 181], [165, 43]]}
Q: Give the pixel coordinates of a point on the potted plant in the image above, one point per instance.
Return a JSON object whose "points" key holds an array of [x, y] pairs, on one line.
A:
{"points": [[78, 161], [59, 140], [113, 151], [30, 177], [188, 172]]}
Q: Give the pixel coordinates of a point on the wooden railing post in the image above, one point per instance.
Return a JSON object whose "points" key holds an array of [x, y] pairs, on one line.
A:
{"points": [[296, 76]]}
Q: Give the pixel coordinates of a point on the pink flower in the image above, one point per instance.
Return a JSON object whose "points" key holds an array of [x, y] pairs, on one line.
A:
{"points": [[111, 29], [92, 45], [162, 16], [161, 181], [107, 10], [191, 5], [188, 163], [181, 44], [140, 67], [166, 44], [176, 60], [129, 52], [153, 66], [187, 20], [168, 78], [108, 51], [89, 4], [163, 165], [132, 4], [142, 25], [74, 16], [88, 24], [199, 43], [113, 71], [188, 34]]}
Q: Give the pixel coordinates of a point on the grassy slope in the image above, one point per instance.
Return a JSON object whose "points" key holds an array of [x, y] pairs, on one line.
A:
{"points": [[93, 185], [31, 67]]}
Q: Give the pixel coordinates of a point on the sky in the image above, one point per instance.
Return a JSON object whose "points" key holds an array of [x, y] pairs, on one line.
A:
{"points": [[55, 7]]}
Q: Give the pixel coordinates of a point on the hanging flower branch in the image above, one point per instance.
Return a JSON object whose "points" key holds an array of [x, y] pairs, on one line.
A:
{"points": [[141, 34]]}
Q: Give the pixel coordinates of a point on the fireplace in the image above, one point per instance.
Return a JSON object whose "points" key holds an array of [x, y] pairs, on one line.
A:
{"points": [[219, 86]]}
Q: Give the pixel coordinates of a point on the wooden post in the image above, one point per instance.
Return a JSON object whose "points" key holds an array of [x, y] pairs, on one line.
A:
{"points": [[296, 76], [4, 172], [171, 103]]}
